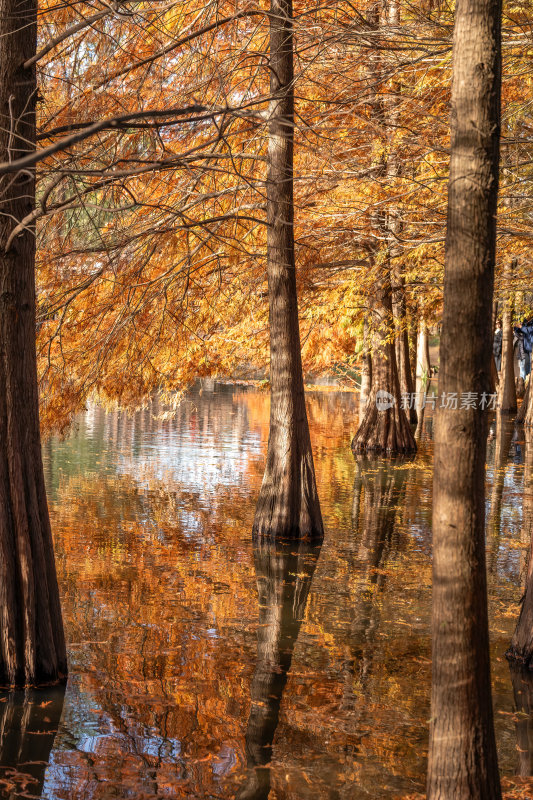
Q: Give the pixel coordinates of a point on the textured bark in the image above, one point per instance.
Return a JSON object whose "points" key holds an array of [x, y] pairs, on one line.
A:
{"points": [[32, 646], [288, 501], [384, 430], [403, 359], [521, 648], [284, 573], [463, 761], [28, 727], [507, 388]]}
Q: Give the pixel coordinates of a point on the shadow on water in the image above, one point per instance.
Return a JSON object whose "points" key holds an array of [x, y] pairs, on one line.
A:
{"points": [[28, 725], [284, 572]]}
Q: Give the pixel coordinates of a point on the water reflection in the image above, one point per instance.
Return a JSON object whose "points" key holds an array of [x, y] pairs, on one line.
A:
{"points": [[383, 484], [152, 514], [523, 697], [284, 573], [501, 434], [29, 722]]}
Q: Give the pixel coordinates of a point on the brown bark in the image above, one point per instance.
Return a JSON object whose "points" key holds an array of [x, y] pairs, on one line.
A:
{"points": [[32, 646], [521, 648], [463, 761], [288, 502], [284, 573], [507, 388], [384, 429], [403, 359]]}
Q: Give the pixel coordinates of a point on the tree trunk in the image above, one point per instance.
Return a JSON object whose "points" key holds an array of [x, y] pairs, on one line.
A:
{"points": [[527, 402], [521, 647], [507, 389], [284, 573], [288, 501], [366, 373], [503, 436], [423, 367], [495, 379], [384, 427], [403, 360], [463, 761], [32, 646]]}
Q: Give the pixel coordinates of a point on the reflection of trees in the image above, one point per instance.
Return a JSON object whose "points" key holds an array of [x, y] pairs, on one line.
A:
{"points": [[284, 572], [28, 725], [523, 696], [521, 649], [502, 442], [383, 482]]}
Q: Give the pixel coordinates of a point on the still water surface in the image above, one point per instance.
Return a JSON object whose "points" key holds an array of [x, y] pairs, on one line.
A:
{"points": [[202, 667]]}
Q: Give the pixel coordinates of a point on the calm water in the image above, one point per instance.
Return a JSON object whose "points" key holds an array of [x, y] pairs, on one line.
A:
{"points": [[202, 668]]}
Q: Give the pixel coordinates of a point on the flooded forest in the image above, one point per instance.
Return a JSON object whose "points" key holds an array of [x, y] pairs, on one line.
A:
{"points": [[266, 417]]}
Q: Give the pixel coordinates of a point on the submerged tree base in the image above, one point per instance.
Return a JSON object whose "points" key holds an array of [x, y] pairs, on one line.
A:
{"points": [[288, 505], [384, 430]]}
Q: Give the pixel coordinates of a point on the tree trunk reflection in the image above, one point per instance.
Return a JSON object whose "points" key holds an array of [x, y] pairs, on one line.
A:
{"points": [[503, 436], [28, 725], [284, 573], [383, 483]]}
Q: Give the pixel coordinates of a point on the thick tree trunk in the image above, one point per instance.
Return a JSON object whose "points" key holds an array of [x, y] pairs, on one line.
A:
{"points": [[32, 646], [507, 388], [521, 648], [288, 502], [284, 573], [463, 762], [384, 427]]}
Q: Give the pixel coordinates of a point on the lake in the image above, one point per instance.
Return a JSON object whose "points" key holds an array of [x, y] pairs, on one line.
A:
{"points": [[202, 666]]}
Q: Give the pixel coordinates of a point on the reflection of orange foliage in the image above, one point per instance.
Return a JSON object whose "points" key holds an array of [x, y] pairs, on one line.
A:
{"points": [[160, 600]]}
